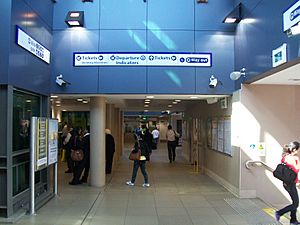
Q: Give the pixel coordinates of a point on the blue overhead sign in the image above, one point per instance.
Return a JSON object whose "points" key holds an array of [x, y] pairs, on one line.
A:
{"points": [[291, 16], [142, 59], [31, 45]]}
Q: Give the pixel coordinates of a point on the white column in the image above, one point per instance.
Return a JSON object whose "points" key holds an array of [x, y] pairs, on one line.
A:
{"points": [[97, 139]]}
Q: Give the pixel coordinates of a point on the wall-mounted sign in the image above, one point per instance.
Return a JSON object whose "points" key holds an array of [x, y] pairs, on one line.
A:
{"points": [[31, 45], [52, 141], [291, 16], [279, 55], [41, 143], [142, 59]]}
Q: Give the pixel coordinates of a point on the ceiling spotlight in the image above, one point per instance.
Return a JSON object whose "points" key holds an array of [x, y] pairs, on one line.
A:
{"points": [[235, 16], [235, 75], [75, 18]]}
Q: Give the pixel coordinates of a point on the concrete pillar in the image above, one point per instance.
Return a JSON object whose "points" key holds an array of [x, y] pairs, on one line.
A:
{"points": [[97, 139], [110, 112]]}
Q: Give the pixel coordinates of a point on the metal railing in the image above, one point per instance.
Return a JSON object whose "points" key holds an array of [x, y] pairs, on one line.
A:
{"points": [[257, 163]]}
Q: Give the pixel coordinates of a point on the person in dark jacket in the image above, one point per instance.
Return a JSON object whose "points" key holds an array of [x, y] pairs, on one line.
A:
{"points": [[145, 156], [86, 160], [75, 142], [109, 151]]}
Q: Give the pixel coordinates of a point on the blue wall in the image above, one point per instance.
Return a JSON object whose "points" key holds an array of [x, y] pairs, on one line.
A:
{"points": [[256, 40], [5, 12], [26, 71], [136, 26]]}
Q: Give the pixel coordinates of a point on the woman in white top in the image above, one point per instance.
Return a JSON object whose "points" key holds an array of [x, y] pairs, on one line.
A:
{"points": [[172, 143]]}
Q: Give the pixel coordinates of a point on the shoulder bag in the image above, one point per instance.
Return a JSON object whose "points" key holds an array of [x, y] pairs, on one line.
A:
{"points": [[285, 173], [135, 153], [76, 154]]}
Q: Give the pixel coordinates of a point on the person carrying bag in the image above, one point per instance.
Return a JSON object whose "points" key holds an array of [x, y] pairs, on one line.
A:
{"points": [[291, 160], [141, 147]]}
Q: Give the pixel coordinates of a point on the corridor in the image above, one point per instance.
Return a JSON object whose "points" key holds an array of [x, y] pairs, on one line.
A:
{"points": [[177, 196]]}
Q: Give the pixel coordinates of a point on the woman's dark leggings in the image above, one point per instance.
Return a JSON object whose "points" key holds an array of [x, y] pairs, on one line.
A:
{"points": [[292, 190]]}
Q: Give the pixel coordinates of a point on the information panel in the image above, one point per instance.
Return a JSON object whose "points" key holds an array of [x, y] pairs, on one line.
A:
{"points": [[52, 141], [141, 59], [31, 45], [41, 143]]}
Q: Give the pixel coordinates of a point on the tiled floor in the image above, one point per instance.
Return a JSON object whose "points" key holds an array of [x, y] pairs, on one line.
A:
{"points": [[177, 196]]}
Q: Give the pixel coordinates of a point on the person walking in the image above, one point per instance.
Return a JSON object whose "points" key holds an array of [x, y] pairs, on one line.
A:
{"points": [[145, 156], [155, 135], [291, 159], [171, 137], [109, 151]]}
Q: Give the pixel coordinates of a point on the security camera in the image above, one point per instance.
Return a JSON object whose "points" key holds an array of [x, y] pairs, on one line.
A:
{"points": [[213, 82], [60, 81]]}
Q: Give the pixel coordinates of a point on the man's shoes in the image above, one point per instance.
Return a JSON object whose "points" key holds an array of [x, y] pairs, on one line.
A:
{"points": [[146, 185], [170, 161], [129, 183], [276, 216], [68, 171], [75, 183], [83, 180], [295, 223]]}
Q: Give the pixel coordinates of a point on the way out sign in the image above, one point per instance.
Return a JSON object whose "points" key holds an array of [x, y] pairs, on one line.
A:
{"points": [[258, 148]]}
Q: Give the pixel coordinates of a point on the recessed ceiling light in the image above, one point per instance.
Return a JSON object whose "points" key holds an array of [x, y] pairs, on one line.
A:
{"points": [[84, 101], [58, 105], [146, 105], [175, 103], [194, 97], [57, 101], [64, 110], [79, 99], [54, 96], [146, 110], [28, 100], [170, 106], [177, 100], [150, 96]]}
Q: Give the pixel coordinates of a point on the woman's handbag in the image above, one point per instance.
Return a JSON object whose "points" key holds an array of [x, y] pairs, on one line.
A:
{"points": [[135, 154], [77, 155], [285, 173]]}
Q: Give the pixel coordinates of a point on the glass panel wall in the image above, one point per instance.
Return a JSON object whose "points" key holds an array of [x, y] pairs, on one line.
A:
{"points": [[25, 106]]}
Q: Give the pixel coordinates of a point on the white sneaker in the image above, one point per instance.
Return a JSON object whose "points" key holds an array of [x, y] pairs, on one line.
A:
{"points": [[146, 185], [129, 183]]}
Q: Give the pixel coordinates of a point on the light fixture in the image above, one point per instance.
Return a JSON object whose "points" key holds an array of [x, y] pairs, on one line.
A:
{"points": [[235, 75], [75, 18], [235, 16]]}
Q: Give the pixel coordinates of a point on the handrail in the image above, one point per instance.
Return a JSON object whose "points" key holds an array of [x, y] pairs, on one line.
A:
{"points": [[257, 163]]}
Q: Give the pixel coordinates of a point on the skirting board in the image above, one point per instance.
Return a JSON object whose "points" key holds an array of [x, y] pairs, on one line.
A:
{"points": [[234, 190]]}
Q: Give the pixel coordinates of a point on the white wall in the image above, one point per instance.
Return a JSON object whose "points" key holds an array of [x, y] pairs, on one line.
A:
{"points": [[267, 114]]}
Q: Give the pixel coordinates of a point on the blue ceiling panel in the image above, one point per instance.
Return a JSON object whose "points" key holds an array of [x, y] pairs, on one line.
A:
{"points": [[91, 13], [171, 14], [171, 80], [125, 14], [210, 16], [26, 70], [170, 41], [221, 45], [44, 10], [130, 80], [82, 79], [259, 34], [5, 12], [122, 41]]}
